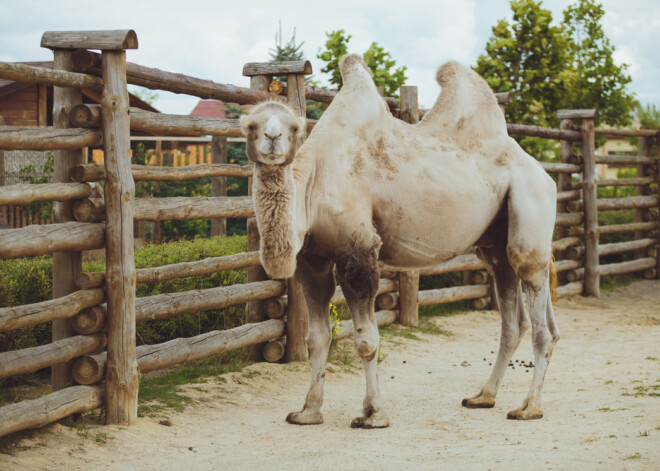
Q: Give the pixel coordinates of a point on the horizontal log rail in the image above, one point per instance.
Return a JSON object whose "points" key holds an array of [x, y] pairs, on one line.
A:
{"points": [[619, 247], [562, 244], [177, 270], [18, 72], [568, 219], [624, 160], [623, 181], [618, 228], [627, 132], [38, 240], [449, 295], [570, 289], [609, 204], [627, 267], [385, 285], [459, 263], [60, 308], [565, 265], [194, 207], [91, 369], [96, 172], [89, 116], [36, 413], [383, 318], [162, 306], [569, 195], [558, 167], [22, 194], [47, 138], [29, 360], [547, 133]]}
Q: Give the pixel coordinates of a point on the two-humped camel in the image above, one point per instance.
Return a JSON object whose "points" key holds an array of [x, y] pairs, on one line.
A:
{"points": [[366, 187]]}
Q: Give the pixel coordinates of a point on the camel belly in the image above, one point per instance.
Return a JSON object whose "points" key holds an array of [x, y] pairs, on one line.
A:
{"points": [[429, 223]]}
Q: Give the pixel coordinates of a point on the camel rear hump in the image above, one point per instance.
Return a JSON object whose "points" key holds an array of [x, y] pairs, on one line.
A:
{"points": [[467, 108]]}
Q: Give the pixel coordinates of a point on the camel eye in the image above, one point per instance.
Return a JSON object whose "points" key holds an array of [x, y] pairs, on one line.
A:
{"points": [[294, 129], [251, 127]]}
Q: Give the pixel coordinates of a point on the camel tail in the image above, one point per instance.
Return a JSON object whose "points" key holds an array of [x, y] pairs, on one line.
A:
{"points": [[553, 280]]}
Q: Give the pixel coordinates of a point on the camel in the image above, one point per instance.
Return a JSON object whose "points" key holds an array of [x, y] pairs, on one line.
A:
{"points": [[366, 186]]}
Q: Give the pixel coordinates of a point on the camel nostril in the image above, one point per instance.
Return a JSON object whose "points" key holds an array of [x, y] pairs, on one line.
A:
{"points": [[271, 137], [360, 330]]}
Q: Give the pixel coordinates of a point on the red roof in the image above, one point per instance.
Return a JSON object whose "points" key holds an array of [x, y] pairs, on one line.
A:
{"points": [[211, 109]]}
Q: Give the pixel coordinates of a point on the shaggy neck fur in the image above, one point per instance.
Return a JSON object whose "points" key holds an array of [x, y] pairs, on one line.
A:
{"points": [[274, 199]]}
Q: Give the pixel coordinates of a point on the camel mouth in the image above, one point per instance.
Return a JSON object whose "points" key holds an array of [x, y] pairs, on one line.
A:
{"points": [[272, 159]]}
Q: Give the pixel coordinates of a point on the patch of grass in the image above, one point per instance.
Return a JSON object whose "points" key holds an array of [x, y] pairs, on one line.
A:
{"points": [[608, 409], [591, 439], [102, 438], [652, 358], [634, 456], [610, 283], [645, 433], [609, 381], [163, 392], [651, 390], [444, 310], [395, 330], [344, 356], [611, 436]]}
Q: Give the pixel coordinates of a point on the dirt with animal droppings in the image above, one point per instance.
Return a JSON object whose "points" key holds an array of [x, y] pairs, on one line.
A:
{"points": [[601, 406]]}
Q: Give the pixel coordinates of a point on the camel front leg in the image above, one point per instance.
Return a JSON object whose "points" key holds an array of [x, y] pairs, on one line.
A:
{"points": [[358, 276], [315, 276]]}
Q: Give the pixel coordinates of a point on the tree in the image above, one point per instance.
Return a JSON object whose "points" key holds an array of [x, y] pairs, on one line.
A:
{"points": [[379, 61], [555, 67], [287, 52], [598, 82]]}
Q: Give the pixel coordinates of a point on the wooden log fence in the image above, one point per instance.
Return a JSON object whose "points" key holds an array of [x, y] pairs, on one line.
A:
{"points": [[276, 320]]}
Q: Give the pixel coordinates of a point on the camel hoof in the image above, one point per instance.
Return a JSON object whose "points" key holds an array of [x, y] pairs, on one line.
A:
{"points": [[376, 420], [305, 418], [525, 413], [480, 402]]}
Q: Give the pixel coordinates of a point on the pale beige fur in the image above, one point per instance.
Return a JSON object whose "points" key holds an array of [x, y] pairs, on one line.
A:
{"points": [[366, 186]]}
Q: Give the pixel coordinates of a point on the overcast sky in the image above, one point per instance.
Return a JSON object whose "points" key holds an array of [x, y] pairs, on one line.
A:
{"points": [[213, 39]]}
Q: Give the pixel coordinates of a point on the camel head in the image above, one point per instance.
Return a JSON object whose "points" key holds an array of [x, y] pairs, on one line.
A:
{"points": [[273, 133]]}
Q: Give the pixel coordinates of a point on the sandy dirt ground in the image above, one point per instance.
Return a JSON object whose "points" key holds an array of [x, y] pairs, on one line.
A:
{"points": [[601, 405]]}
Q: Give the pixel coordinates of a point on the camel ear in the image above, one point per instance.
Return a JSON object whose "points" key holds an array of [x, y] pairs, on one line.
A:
{"points": [[245, 122]]}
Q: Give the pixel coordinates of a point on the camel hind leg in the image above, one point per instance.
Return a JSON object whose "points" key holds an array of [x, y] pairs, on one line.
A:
{"points": [[531, 222], [514, 318]]}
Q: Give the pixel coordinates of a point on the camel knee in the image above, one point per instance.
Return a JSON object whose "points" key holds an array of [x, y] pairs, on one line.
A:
{"points": [[530, 265], [318, 340], [366, 342]]}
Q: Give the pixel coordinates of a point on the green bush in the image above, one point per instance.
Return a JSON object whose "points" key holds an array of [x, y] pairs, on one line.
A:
{"points": [[29, 280]]}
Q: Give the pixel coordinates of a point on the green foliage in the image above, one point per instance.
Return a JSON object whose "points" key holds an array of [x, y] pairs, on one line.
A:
{"points": [[555, 67], [29, 280], [379, 61], [146, 95], [335, 320], [44, 210], [286, 52], [648, 116]]}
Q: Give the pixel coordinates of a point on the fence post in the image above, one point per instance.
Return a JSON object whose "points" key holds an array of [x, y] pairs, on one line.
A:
{"points": [[657, 232], [66, 265], [297, 321], [409, 280], [218, 184], [121, 377], [589, 196], [643, 150], [253, 309]]}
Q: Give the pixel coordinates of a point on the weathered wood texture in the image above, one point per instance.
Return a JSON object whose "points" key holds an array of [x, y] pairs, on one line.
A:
{"points": [[218, 184], [195, 207], [297, 315], [449, 295], [178, 270], [384, 317], [538, 131], [564, 243], [627, 132], [619, 247], [38, 240], [644, 145], [275, 308], [570, 289], [162, 306], [90, 370], [560, 167], [95, 172], [36, 413], [577, 114], [589, 194], [161, 124], [18, 72], [60, 308], [48, 138], [627, 267], [111, 40], [459, 263], [609, 204], [24, 193], [617, 228], [385, 285], [29, 360], [623, 181], [387, 301], [624, 159], [274, 351], [90, 320], [122, 375], [303, 67], [565, 265]]}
